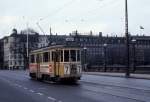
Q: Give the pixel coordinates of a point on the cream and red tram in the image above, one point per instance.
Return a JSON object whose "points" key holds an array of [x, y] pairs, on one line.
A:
{"points": [[56, 63]]}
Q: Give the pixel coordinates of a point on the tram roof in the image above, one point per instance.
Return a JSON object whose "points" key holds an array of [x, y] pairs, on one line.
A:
{"points": [[54, 47]]}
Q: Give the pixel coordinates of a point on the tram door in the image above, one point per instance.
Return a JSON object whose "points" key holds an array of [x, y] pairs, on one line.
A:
{"points": [[38, 65], [56, 56]]}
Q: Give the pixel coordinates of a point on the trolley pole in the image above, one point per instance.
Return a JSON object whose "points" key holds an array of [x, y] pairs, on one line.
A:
{"points": [[127, 75]]}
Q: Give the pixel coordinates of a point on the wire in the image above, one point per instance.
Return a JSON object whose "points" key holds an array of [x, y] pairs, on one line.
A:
{"points": [[52, 14], [57, 10], [40, 28], [104, 5]]}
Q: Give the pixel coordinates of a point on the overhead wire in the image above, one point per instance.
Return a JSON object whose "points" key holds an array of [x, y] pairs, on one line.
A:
{"points": [[53, 14], [58, 10], [103, 5]]}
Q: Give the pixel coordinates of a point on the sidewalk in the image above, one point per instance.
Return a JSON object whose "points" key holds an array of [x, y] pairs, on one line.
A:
{"points": [[137, 76]]}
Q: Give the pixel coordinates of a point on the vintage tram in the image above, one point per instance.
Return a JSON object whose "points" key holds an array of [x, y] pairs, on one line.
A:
{"points": [[56, 63]]}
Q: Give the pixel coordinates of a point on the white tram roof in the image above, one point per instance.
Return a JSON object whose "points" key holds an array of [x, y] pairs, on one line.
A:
{"points": [[55, 47]]}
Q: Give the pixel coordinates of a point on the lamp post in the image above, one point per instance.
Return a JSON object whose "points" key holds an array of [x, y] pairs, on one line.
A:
{"points": [[85, 49], [127, 75], [27, 48], [105, 45], [133, 43]]}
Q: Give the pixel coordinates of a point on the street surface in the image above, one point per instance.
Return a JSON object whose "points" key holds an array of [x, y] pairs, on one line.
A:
{"points": [[16, 86]]}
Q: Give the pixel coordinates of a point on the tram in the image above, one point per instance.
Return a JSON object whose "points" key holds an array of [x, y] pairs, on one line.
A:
{"points": [[56, 63]]}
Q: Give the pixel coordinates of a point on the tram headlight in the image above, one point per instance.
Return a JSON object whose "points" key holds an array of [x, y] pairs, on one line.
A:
{"points": [[66, 69]]}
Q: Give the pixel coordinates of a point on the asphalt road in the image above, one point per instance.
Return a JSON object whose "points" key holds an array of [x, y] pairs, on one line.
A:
{"points": [[16, 86]]}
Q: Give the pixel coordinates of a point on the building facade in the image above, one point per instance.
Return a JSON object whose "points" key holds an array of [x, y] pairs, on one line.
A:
{"points": [[1, 55], [99, 53], [15, 49]]}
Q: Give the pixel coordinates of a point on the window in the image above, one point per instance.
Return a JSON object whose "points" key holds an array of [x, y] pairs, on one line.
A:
{"points": [[78, 55], [20, 63], [32, 59], [56, 56], [45, 57], [37, 58], [53, 55], [10, 62], [73, 55], [66, 55], [61, 56]]}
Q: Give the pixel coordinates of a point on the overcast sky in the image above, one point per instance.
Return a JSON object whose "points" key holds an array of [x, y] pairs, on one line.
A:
{"points": [[65, 16]]}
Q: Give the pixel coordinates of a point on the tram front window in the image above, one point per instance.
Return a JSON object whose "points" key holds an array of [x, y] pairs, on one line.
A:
{"points": [[78, 55], [73, 55], [66, 55], [32, 59]]}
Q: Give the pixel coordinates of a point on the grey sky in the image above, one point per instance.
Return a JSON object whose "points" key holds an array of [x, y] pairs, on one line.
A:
{"points": [[65, 16]]}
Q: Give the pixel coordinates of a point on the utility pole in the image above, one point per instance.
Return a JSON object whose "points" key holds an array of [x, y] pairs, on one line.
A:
{"points": [[127, 41], [27, 48]]}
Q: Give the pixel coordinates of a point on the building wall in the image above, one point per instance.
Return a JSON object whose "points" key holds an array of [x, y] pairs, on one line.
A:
{"points": [[93, 53], [1, 55], [15, 47]]}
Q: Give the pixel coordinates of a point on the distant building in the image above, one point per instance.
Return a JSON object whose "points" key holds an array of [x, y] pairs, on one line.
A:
{"points": [[115, 54], [14, 49], [43, 41], [1, 55], [97, 50]]}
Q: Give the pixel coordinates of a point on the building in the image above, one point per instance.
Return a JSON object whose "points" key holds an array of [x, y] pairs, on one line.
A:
{"points": [[15, 49], [1, 55], [99, 53], [110, 52]]}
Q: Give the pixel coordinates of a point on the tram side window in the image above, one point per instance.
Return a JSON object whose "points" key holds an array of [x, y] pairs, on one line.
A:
{"points": [[53, 55], [56, 56], [32, 59], [66, 55], [73, 55], [45, 57], [78, 55], [37, 58], [61, 55]]}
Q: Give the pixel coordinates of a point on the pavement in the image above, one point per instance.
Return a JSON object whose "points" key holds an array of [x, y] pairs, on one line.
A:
{"points": [[137, 76]]}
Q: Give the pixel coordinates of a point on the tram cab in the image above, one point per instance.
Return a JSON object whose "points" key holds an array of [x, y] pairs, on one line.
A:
{"points": [[55, 63]]}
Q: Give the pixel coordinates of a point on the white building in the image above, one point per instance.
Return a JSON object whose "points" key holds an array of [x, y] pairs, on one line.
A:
{"points": [[15, 52], [12, 59]]}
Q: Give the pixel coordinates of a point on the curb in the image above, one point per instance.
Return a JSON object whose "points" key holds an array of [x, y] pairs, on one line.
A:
{"points": [[121, 76]]}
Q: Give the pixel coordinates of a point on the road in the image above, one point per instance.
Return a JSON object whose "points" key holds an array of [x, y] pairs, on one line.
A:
{"points": [[16, 86]]}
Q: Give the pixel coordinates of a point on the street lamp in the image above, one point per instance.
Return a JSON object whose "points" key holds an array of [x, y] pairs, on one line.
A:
{"points": [[27, 48], [105, 45], [133, 43], [85, 49], [127, 41]]}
